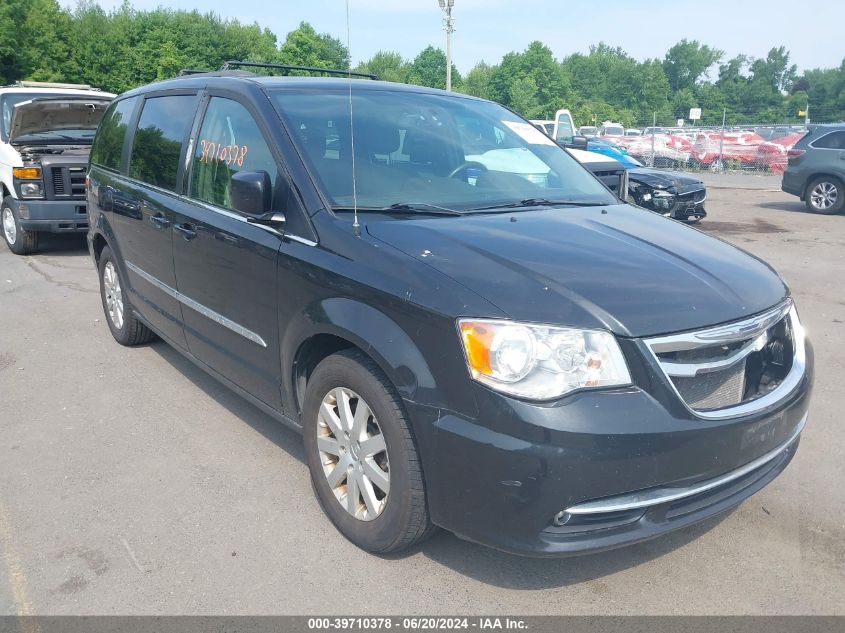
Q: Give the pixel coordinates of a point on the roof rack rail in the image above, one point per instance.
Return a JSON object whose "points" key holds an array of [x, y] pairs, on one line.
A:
{"points": [[50, 84], [288, 67], [192, 71]]}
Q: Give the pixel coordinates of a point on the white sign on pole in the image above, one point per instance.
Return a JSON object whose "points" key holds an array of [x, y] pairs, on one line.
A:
{"points": [[680, 123], [695, 113]]}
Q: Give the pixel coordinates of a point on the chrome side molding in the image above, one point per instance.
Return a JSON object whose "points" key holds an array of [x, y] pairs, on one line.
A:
{"points": [[198, 307]]}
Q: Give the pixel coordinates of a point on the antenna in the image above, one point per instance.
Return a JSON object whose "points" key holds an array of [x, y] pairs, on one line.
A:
{"points": [[356, 228]]}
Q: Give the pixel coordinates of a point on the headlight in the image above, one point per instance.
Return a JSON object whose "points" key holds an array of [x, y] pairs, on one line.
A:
{"points": [[541, 362], [31, 190], [664, 199]]}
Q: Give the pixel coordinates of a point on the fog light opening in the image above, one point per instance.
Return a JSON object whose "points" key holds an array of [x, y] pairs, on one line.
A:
{"points": [[561, 518]]}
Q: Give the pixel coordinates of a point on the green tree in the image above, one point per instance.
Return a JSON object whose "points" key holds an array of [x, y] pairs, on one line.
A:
{"points": [[305, 47], [687, 62], [429, 69], [477, 81], [507, 80], [388, 65]]}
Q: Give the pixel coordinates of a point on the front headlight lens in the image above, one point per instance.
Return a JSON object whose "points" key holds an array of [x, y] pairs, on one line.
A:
{"points": [[664, 199], [541, 362], [31, 189]]}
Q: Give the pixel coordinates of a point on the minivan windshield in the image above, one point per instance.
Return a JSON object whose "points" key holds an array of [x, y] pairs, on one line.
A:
{"points": [[413, 149]]}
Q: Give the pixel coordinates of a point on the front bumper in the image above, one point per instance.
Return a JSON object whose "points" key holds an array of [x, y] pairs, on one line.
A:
{"points": [[54, 216], [502, 478]]}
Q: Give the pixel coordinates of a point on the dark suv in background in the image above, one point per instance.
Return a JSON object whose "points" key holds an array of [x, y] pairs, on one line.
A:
{"points": [[816, 169], [469, 329]]}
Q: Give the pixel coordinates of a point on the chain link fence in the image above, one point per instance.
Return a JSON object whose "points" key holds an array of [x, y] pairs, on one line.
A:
{"points": [[747, 148]]}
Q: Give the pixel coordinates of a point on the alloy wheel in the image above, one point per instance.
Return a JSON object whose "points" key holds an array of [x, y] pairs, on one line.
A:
{"points": [[353, 453], [114, 295], [824, 195], [10, 229]]}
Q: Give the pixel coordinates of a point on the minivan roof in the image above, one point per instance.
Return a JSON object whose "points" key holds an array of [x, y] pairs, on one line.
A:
{"points": [[226, 78]]}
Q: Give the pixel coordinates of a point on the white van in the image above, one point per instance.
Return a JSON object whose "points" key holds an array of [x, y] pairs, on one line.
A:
{"points": [[46, 130]]}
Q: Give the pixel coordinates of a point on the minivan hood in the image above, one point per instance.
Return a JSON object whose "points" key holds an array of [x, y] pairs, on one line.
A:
{"points": [[56, 114], [617, 267]]}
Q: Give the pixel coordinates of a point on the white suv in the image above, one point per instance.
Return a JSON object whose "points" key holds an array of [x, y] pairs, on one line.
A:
{"points": [[46, 131]]}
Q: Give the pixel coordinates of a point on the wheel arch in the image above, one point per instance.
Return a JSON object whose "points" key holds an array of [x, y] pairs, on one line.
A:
{"points": [[820, 174], [331, 325]]}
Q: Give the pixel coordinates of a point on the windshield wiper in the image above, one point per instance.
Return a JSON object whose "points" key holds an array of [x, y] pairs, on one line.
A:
{"points": [[406, 207], [540, 202]]}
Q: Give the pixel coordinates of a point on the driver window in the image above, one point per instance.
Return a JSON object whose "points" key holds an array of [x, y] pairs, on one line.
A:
{"points": [[229, 141]]}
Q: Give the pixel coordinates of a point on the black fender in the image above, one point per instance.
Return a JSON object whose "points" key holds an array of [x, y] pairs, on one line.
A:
{"points": [[386, 341]]}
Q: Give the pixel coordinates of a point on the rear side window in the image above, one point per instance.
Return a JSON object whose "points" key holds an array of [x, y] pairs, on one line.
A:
{"points": [[162, 129], [229, 141], [832, 140], [108, 144]]}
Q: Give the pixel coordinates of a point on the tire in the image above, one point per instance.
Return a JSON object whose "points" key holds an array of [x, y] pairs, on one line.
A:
{"points": [[692, 219], [125, 327], [400, 518], [825, 195], [19, 240]]}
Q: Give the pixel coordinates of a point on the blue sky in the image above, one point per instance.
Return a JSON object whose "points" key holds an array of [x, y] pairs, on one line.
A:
{"points": [[487, 29]]}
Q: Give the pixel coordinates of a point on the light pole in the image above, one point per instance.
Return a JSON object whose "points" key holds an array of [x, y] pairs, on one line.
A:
{"points": [[449, 27]]}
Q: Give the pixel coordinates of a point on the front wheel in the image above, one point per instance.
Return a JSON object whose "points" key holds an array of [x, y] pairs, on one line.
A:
{"points": [[362, 457], [19, 240], [825, 195]]}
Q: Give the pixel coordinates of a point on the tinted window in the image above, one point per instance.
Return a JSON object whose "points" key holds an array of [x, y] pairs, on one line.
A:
{"points": [[833, 140], [229, 142], [108, 145], [162, 128]]}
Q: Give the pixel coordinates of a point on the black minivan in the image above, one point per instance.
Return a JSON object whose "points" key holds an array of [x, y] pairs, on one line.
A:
{"points": [[469, 329]]}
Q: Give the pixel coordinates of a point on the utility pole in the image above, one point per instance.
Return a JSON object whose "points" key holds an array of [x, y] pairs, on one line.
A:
{"points": [[449, 27]]}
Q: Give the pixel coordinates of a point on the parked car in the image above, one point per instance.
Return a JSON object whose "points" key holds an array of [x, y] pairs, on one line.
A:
{"points": [[45, 134], [673, 194], [588, 131], [533, 365], [815, 171], [633, 132], [608, 128], [545, 126]]}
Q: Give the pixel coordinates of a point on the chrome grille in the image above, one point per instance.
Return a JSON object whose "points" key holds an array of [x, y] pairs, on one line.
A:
{"points": [[735, 368]]}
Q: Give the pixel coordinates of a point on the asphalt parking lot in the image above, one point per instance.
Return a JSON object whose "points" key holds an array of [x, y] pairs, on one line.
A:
{"points": [[132, 483]]}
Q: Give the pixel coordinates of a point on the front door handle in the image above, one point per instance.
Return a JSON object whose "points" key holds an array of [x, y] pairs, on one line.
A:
{"points": [[187, 230], [160, 221]]}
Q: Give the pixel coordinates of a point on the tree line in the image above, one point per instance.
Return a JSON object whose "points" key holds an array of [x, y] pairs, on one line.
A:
{"points": [[123, 48]]}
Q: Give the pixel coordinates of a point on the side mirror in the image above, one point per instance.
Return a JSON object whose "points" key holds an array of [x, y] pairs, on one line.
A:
{"points": [[578, 142], [251, 192]]}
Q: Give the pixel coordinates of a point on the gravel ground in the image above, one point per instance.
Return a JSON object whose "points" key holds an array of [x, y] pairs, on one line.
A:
{"points": [[132, 483]]}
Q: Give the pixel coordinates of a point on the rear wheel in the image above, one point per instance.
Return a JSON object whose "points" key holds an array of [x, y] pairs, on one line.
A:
{"points": [[19, 240], [124, 326], [361, 453], [825, 195]]}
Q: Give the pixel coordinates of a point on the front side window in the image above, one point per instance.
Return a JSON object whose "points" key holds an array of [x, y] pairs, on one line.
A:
{"points": [[229, 142], [410, 147], [108, 145], [162, 129]]}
